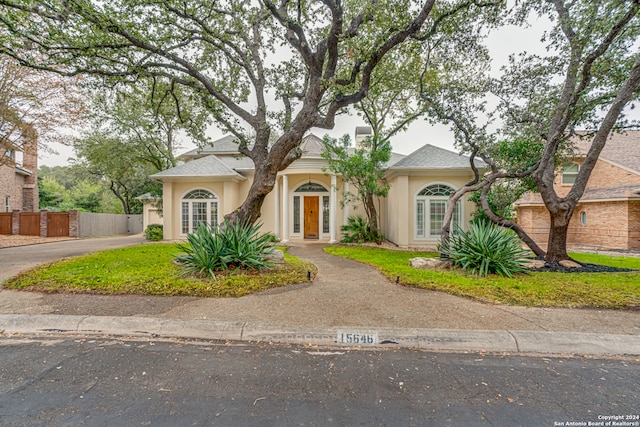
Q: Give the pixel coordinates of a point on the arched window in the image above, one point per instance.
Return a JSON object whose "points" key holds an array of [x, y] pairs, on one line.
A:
{"points": [[198, 206], [311, 187], [583, 218], [431, 204], [570, 173]]}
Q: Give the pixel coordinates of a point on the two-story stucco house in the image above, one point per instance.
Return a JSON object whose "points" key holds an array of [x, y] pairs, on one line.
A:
{"points": [[306, 201], [608, 214]]}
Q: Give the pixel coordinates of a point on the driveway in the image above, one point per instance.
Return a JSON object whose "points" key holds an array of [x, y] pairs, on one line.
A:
{"points": [[13, 260]]}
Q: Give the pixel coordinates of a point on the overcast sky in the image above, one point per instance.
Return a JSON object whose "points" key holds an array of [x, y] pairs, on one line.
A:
{"points": [[501, 43]]}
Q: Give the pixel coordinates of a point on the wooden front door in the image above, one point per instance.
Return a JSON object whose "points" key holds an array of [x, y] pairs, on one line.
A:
{"points": [[311, 217]]}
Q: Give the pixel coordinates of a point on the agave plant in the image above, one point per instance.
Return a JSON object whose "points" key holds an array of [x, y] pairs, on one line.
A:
{"points": [[486, 248], [211, 249]]}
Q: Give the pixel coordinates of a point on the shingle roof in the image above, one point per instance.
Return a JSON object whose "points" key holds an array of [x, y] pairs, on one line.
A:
{"points": [[225, 145], [621, 148], [311, 146], [624, 191], [431, 157], [210, 166]]}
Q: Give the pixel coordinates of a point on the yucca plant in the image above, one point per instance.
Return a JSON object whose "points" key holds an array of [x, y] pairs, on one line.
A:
{"points": [[211, 249], [486, 248]]}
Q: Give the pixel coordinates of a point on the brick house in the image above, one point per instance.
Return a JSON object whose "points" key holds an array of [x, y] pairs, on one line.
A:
{"points": [[19, 174], [608, 215]]}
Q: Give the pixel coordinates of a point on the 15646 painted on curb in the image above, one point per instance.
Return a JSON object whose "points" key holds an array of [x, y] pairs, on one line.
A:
{"points": [[359, 338]]}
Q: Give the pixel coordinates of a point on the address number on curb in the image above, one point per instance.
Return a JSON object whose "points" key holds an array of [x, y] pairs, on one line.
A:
{"points": [[350, 337]]}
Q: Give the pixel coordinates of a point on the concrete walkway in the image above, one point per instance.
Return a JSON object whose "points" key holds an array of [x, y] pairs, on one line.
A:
{"points": [[346, 299]]}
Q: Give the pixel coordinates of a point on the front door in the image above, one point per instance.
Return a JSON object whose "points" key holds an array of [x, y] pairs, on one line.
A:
{"points": [[311, 217]]}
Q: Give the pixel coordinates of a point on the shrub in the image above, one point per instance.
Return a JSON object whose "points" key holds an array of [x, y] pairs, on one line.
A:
{"points": [[234, 246], [486, 248], [153, 232], [358, 230]]}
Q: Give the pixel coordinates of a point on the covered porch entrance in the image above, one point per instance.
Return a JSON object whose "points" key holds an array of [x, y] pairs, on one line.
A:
{"points": [[307, 211]]}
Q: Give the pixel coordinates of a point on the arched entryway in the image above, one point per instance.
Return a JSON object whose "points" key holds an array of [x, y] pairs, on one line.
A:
{"points": [[311, 211]]}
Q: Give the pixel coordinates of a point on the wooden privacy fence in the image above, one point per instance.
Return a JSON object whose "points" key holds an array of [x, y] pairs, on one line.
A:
{"points": [[5, 223], [29, 224], [72, 224], [58, 225]]}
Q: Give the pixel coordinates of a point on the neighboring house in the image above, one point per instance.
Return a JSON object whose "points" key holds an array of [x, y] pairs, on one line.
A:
{"points": [[305, 202], [18, 175], [608, 214]]}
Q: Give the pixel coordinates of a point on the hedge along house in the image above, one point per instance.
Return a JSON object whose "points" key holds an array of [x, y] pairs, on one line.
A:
{"points": [[608, 214], [305, 204]]}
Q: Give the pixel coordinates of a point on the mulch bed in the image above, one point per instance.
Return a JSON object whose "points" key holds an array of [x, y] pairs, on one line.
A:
{"points": [[586, 268]]}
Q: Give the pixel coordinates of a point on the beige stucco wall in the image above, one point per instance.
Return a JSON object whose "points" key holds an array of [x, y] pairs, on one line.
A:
{"points": [[150, 215], [232, 194], [397, 212], [401, 206]]}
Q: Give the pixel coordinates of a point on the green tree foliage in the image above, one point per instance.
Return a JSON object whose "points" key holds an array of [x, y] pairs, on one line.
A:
{"points": [[134, 134], [316, 58], [72, 187], [590, 76], [362, 167], [114, 161]]}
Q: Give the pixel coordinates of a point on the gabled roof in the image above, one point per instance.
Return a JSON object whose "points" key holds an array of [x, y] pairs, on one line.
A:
{"points": [[621, 148], [210, 166], [431, 157], [225, 145]]}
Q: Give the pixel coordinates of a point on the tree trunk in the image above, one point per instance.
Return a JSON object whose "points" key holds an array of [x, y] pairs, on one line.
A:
{"points": [[370, 207], [557, 248], [251, 209]]}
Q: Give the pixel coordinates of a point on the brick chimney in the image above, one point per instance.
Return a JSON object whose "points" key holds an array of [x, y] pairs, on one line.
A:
{"points": [[30, 195]]}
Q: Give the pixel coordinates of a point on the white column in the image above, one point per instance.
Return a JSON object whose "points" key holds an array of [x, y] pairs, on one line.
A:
{"points": [[285, 209], [332, 211], [276, 229]]}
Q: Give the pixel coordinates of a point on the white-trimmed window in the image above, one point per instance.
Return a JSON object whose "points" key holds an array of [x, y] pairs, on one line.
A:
{"points": [[431, 205], [570, 173], [198, 206]]}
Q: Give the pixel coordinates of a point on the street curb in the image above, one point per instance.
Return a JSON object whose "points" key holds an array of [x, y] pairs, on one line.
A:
{"points": [[518, 342]]}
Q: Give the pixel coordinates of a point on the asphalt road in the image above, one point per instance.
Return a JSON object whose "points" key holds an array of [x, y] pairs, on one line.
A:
{"points": [[54, 381]]}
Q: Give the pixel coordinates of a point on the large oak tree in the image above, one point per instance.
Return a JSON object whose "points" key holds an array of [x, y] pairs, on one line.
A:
{"points": [[267, 71], [592, 76]]}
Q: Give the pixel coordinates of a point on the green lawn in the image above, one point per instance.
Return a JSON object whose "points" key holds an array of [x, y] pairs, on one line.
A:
{"points": [[597, 290], [149, 269]]}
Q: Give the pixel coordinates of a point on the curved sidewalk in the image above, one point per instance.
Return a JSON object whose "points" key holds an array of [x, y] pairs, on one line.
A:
{"points": [[346, 302]]}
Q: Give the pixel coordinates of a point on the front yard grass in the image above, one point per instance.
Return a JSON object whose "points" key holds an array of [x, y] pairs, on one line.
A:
{"points": [[537, 289], [149, 269]]}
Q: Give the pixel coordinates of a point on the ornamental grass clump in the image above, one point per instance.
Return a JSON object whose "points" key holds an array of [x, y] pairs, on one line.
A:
{"points": [[486, 248], [229, 246]]}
